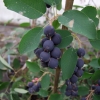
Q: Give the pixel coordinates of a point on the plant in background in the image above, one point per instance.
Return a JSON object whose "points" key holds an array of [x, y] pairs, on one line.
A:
{"points": [[57, 66]]}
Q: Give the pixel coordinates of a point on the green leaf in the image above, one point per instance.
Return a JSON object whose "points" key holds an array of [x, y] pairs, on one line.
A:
{"points": [[94, 63], [2, 50], [9, 45], [15, 96], [96, 20], [98, 34], [2, 95], [86, 75], [96, 97], [16, 63], [25, 24], [5, 63], [29, 8], [19, 90], [68, 63], [63, 89], [30, 40], [96, 75], [66, 38], [2, 66], [45, 82], [43, 93], [31, 55], [55, 24], [59, 6], [1, 75], [56, 97], [83, 90], [33, 67], [95, 43], [3, 85], [79, 23], [87, 10], [51, 2], [99, 61], [98, 11], [16, 83]]}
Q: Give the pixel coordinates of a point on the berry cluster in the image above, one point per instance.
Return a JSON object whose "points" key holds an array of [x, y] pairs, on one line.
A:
{"points": [[49, 54], [32, 87], [72, 89], [96, 88]]}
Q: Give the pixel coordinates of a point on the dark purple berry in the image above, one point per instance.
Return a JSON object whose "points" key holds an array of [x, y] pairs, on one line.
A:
{"points": [[36, 87], [53, 63], [39, 85], [48, 45], [75, 88], [76, 68], [38, 51], [96, 92], [31, 90], [67, 82], [83, 98], [44, 64], [80, 63], [30, 84], [44, 56], [98, 82], [79, 73], [49, 31], [69, 87], [80, 52], [68, 93], [74, 79], [93, 87], [74, 93], [97, 89], [48, 6], [43, 40], [56, 39], [56, 53]]}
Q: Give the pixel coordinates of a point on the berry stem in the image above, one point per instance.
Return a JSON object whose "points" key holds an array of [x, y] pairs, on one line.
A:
{"points": [[43, 75], [77, 38], [68, 6], [29, 97], [90, 95]]}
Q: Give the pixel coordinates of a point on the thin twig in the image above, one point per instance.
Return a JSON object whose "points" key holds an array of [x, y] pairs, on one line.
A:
{"points": [[90, 95], [94, 3], [88, 2], [77, 38]]}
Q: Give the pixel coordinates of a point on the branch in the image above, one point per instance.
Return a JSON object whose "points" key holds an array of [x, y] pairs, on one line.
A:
{"points": [[68, 6], [57, 75]]}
